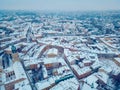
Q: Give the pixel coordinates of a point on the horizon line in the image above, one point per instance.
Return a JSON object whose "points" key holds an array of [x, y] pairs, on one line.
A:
{"points": [[58, 10]]}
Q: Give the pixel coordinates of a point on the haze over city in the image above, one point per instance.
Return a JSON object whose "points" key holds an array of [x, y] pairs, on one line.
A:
{"points": [[63, 5]]}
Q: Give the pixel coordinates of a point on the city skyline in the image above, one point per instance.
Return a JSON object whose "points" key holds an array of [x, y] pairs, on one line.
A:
{"points": [[62, 5]]}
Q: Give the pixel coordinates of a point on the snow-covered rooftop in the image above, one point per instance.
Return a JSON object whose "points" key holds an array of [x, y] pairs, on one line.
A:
{"points": [[81, 70]]}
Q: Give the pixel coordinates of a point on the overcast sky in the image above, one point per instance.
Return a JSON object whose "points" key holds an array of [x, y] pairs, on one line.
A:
{"points": [[65, 5]]}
